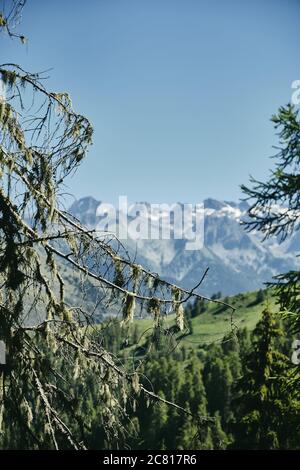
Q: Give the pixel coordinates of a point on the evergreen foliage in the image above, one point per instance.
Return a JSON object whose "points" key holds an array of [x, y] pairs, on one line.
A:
{"points": [[275, 210]]}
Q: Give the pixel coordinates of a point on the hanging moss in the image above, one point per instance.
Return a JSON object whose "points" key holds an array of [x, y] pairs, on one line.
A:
{"points": [[119, 277], [136, 383], [136, 273], [179, 311], [154, 309], [2, 20], [76, 369], [128, 308], [27, 411], [9, 77], [178, 308]]}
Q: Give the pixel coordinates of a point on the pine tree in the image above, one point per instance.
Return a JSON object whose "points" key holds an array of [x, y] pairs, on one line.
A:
{"points": [[275, 209], [218, 383], [50, 341], [264, 410], [260, 296], [157, 426]]}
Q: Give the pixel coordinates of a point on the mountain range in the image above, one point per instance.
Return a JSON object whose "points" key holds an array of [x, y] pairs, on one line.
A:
{"points": [[238, 261]]}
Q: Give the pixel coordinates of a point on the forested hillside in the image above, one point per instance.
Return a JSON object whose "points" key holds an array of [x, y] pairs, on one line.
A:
{"points": [[219, 382], [220, 377]]}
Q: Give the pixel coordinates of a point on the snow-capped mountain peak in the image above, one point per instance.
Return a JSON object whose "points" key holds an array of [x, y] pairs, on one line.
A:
{"points": [[238, 260]]}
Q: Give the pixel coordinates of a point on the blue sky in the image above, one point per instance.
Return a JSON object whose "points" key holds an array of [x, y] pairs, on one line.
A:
{"points": [[180, 92]]}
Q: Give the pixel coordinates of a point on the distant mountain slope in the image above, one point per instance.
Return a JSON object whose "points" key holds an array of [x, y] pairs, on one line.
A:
{"points": [[238, 261], [216, 322]]}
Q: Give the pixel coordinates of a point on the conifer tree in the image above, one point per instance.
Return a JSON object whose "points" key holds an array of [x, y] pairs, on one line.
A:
{"points": [[275, 210], [218, 383], [266, 414]]}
